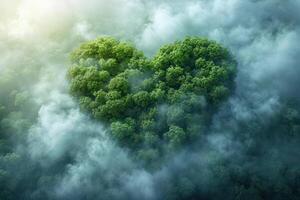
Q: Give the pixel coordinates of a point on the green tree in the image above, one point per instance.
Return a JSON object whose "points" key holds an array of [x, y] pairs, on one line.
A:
{"points": [[175, 76], [124, 131], [176, 136], [120, 84]]}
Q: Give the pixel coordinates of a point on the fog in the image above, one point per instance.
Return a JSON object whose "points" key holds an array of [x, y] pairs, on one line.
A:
{"points": [[62, 153]]}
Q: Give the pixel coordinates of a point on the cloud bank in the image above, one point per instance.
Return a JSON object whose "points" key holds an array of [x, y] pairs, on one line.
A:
{"points": [[67, 155]]}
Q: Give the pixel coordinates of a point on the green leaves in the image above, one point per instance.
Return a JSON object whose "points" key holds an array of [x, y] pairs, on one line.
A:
{"points": [[123, 131], [175, 76], [142, 99], [152, 104], [119, 84], [176, 136]]}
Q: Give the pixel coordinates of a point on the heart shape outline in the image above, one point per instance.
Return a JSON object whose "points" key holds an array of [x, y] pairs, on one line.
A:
{"points": [[152, 105]]}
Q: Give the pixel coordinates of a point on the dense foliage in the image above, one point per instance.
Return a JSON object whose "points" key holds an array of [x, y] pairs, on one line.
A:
{"points": [[152, 105]]}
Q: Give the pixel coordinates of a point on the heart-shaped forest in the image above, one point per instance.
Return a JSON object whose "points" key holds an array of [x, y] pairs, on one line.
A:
{"points": [[152, 106]]}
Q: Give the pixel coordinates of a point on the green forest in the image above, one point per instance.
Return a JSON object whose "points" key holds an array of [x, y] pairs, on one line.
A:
{"points": [[152, 106], [149, 100], [156, 107]]}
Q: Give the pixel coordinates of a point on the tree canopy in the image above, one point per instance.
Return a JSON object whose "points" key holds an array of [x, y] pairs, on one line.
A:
{"points": [[152, 104], [154, 107]]}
